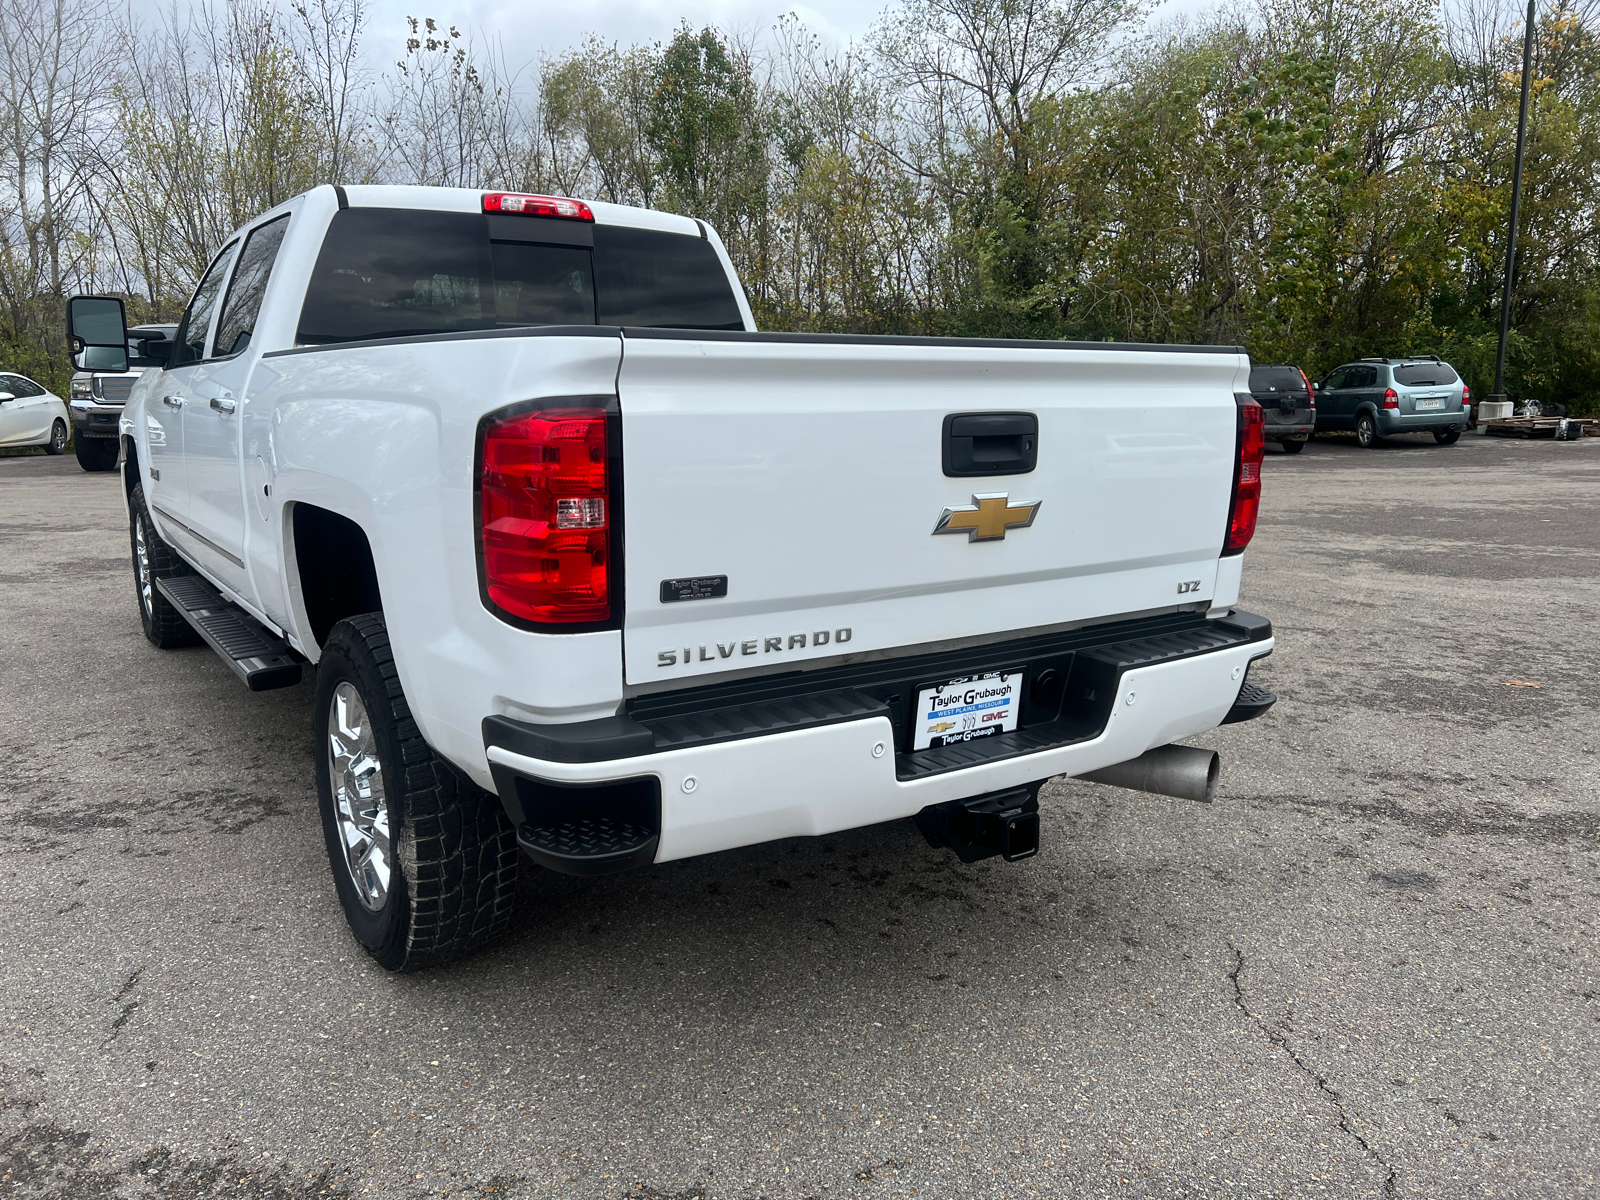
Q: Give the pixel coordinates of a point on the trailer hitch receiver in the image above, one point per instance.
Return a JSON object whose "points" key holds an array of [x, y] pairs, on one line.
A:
{"points": [[1004, 823]]}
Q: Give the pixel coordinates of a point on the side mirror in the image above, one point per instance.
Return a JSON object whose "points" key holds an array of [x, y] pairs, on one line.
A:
{"points": [[151, 352], [97, 333], [1316, 386], [6, 397]]}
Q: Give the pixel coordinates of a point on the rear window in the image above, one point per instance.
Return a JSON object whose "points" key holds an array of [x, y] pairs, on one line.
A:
{"points": [[1425, 375], [1276, 379], [402, 272], [661, 281]]}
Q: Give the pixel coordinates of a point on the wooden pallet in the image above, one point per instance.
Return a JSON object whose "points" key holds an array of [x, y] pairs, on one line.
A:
{"points": [[1530, 427]]}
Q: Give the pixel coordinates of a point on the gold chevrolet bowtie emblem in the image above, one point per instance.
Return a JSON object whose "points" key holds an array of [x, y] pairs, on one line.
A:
{"points": [[990, 515]]}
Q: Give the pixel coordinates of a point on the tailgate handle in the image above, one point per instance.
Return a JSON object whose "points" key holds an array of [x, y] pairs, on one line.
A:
{"points": [[990, 443]]}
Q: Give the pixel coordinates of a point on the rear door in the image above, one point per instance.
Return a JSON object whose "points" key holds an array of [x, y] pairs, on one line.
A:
{"points": [[789, 498], [1366, 386]]}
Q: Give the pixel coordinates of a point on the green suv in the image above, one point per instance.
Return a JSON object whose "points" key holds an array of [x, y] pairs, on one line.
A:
{"points": [[1381, 396]]}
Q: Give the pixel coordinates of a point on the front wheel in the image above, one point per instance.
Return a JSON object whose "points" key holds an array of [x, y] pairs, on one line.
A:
{"points": [[424, 861], [153, 559], [1367, 431], [58, 438], [1447, 437], [96, 454], [1293, 445]]}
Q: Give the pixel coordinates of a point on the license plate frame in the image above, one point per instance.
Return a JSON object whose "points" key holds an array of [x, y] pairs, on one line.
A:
{"points": [[1428, 403], [993, 708]]}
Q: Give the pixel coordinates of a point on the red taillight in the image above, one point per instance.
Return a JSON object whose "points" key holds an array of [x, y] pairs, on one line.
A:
{"points": [[1466, 395], [1390, 398], [1246, 479], [545, 516], [536, 206], [1311, 395]]}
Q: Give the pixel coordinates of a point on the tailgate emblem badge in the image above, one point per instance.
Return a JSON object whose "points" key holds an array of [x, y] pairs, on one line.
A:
{"points": [[988, 517]]}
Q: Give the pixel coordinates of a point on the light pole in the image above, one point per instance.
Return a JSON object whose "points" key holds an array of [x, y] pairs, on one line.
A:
{"points": [[1516, 204]]}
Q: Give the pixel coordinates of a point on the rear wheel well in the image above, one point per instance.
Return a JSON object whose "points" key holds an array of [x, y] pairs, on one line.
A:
{"points": [[337, 575]]}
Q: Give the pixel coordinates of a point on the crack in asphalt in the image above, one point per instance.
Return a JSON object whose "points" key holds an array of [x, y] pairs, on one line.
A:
{"points": [[1391, 1183], [128, 985]]}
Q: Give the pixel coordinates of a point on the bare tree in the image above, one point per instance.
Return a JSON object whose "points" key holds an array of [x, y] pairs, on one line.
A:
{"points": [[329, 39], [55, 90], [442, 107], [979, 67]]}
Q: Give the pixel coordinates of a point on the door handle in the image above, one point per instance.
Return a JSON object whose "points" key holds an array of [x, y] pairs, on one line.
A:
{"points": [[172, 401], [223, 404]]}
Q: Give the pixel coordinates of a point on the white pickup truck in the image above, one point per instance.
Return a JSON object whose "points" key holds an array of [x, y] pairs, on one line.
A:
{"points": [[592, 571]]}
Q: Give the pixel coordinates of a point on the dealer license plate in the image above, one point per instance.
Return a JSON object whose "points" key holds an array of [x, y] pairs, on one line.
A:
{"points": [[964, 709], [1429, 402]]}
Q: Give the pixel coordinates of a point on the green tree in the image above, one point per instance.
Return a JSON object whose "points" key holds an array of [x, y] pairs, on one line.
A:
{"points": [[706, 132]]}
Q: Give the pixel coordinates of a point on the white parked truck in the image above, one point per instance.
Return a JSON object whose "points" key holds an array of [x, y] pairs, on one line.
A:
{"points": [[592, 571]]}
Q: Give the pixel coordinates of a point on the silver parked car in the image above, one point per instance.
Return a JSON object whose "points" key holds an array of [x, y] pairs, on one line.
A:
{"points": [[1377, 397]]}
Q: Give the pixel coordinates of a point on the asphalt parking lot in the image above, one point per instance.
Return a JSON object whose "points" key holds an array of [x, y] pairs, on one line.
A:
{"points": [[1369, 969]]}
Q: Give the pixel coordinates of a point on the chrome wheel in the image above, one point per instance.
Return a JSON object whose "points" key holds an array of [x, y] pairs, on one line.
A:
{"points": [[356, 777], [141, 563], [58, 438]]}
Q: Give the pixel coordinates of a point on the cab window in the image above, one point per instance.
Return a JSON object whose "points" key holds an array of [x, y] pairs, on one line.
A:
{"points": [[249, 285], [196, 321]]}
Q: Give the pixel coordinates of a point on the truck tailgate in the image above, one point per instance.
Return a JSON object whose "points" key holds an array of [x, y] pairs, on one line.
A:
{"points": [[809, 472]]}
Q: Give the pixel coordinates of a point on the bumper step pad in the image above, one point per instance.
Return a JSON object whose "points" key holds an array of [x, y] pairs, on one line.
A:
{"points": [[589, 845], [261, 659], [1252, 702]]}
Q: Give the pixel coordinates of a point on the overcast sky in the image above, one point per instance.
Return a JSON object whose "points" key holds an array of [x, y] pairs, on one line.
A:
{"points": [[529, 31]]}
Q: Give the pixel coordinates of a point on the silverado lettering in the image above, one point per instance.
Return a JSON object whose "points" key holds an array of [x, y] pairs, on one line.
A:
{"points": [[669, 658]]}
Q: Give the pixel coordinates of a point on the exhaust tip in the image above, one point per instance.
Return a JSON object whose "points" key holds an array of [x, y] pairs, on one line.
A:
{"points": [[1181, 771]]}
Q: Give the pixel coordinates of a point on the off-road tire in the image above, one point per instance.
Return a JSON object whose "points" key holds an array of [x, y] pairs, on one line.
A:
{"points": [[1447, 437], [163, 624], [1293, 445], [454, 853], [1367, 435], [95, 454], [58, 438]]}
